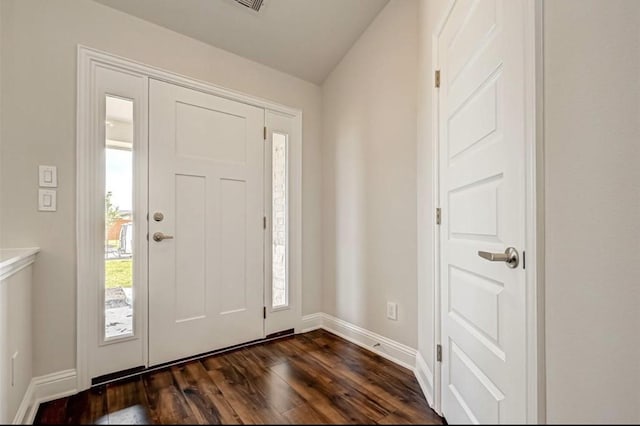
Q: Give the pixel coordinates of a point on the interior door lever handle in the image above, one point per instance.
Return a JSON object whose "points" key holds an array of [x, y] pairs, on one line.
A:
{"points": [[159, 236], [510, 257]]}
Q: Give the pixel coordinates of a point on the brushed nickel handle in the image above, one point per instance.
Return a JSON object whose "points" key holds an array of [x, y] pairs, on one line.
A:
{"points": [[159, 236], [510, 257]]}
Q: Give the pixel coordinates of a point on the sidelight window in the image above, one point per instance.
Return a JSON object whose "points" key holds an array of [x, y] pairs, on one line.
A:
{"points": [[279, 221], [118, 209]]}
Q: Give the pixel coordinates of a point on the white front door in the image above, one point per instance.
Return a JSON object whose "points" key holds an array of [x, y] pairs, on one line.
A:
{"points": [[206, 197], [482, 196]]}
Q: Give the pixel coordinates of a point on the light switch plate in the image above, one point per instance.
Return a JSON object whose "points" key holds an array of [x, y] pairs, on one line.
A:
{"points": [[47, 200], [48, 176]]}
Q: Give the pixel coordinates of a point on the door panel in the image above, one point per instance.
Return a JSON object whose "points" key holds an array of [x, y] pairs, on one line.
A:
{"points": [[206, 178], [481, 166], [190, 269]]}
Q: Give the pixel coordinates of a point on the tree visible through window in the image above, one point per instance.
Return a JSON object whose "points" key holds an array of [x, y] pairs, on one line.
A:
{"points": [[118, 209]]}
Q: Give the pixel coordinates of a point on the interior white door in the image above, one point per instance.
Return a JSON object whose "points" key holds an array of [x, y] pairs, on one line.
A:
{"points": [[482, 196], [206, 192]]}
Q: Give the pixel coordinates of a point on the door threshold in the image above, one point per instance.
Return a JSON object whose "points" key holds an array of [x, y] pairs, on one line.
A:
{"points": [[137, 371]]}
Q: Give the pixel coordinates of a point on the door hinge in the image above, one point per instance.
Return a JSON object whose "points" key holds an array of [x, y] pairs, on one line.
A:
{"points": [[438, 216], [524, 259], [264, 222], [264, 312], [437, 79], [265, 133], [439, 353]]}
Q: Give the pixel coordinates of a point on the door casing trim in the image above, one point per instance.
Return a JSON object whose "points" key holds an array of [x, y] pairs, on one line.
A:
{"points": [[534, 210], [87, 59]]}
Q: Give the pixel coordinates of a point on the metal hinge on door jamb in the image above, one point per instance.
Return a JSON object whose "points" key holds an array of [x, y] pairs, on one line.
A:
{"points": [[439, 353], [438, 216], [437, 79], [264, 133], [264, 222], [264, 312]]}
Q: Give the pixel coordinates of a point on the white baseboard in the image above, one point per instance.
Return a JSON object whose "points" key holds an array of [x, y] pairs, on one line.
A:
{"points": [[311, 322], [393, 351], [425, 377], [64, 383], [42, 389], [25, 404], [387, 348]]}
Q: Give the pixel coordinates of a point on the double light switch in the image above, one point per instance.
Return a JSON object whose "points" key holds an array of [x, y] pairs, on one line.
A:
{"points": [[47, 178]]}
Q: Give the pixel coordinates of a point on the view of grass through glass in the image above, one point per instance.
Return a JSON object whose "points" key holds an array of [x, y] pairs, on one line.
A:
{"points": [[118, 248]]}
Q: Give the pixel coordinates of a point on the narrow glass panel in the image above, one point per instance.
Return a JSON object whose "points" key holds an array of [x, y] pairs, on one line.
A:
{"points": [[118, 247], [279, 220]]}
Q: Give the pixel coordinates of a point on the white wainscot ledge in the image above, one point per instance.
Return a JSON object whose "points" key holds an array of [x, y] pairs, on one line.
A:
{"points": [[15, 259]]}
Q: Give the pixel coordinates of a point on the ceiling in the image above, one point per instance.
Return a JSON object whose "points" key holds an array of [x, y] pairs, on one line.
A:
{"points": [[304, 38]]}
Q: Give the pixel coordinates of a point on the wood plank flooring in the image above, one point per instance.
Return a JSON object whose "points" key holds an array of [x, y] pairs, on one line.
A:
{"points": [[311, 378]]}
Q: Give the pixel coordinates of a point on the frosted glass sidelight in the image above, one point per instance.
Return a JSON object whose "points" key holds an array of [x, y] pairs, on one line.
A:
{"points": [[279, 221]]}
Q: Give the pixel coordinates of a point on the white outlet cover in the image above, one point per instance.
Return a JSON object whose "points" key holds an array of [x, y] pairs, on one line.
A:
{"points": [[47, 200], [392, 311], [48, 176]]}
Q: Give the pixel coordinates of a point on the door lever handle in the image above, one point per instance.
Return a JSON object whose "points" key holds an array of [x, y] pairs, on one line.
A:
{"points": [[510, 257], [159, 236]]}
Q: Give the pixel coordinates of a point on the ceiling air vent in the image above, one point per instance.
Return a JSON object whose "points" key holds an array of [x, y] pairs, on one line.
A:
{"points": [[252, 4]]}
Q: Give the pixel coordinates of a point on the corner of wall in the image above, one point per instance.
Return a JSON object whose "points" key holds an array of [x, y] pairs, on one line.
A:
{"points": [[43, 389]]}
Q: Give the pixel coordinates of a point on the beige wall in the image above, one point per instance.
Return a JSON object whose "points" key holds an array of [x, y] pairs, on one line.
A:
{"points": [[1, 95], [592, 142], [39, 40], [369, 133]]}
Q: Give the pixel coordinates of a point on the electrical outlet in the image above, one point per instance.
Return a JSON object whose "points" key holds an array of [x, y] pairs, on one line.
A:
{"points": [[392, 311], [13, 369]]}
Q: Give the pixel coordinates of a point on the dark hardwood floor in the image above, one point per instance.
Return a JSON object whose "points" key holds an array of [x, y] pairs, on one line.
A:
{"points": [[310, 378]]}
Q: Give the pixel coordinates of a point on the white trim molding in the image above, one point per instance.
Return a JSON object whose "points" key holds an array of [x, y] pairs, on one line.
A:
{"points": [[396, 352], [425, 378], [311, 322], [13, 261], [42, 389], [87, 207]]}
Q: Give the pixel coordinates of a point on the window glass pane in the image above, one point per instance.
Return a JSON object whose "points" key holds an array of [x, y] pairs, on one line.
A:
{"points": [[279, 220], [118, 254]]}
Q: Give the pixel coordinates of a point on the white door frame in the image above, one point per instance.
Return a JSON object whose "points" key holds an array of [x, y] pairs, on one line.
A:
{"points": [[86, 153], [534, 187]]}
